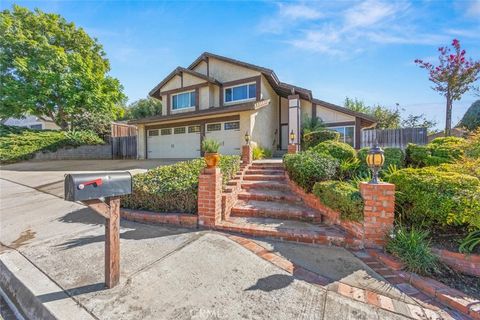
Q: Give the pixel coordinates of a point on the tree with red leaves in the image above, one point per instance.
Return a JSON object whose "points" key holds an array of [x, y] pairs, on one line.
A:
{"points": [[454, 76]]}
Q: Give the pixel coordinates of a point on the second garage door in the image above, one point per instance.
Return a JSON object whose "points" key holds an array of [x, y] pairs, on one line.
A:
{"points": [[227, 134], [174, 143]]}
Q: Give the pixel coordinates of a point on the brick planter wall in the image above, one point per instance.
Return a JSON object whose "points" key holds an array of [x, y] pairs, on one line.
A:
{"points": [[292, 148], [378, 212], [466, 263], [230, 193], [209, 197], [177, 219], [247, 156]]}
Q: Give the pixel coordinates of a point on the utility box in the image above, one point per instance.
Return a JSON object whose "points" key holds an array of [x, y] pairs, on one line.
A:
{"points": [[98, 185]]}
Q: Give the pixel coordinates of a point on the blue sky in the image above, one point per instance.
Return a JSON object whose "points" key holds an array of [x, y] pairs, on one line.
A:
{"points": [[362, 49]]}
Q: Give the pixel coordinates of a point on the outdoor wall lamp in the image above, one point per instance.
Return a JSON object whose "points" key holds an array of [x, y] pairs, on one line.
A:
{"points": [[247, 138], [375, 160], [292, 136]]}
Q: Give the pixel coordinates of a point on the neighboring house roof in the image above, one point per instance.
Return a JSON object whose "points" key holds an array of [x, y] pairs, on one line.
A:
{"points": [[281, 88], [179, 70], [253, 105]]}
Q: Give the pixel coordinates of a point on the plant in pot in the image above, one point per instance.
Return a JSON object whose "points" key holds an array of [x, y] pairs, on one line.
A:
{"points": [[210, 148]]}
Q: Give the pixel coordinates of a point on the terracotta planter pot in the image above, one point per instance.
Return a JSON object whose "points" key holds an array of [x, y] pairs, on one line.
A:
{"points": [[211, 159]]}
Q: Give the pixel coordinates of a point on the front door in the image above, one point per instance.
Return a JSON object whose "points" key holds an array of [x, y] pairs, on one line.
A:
{"points": [[284, 133]]}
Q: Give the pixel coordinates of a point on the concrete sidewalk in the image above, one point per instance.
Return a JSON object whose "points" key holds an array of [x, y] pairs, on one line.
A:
{"points": [[54, 258]]}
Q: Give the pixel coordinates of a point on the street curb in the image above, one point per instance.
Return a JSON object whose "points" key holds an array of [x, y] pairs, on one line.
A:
{"points": [[33, 293]]}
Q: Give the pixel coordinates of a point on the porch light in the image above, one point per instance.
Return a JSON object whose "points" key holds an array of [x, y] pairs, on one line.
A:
{"points": [[292, 136], [375, 160], [247, 138]]}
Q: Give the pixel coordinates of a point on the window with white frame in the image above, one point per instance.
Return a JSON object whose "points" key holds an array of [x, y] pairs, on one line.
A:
{"points": [[240, 93], [347, 134], [183, 100]]}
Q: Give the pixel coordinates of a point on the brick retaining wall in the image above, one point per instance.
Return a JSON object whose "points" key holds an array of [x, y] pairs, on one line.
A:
{"points": [[86, 152], [466, 263]]}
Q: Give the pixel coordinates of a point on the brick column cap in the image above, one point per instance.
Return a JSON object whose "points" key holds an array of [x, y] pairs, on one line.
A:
{"points": [[381, 185], [215, 170]]}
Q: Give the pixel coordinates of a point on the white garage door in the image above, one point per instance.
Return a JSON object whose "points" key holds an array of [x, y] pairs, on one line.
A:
{"points": [[175, 142], [227, 134]]}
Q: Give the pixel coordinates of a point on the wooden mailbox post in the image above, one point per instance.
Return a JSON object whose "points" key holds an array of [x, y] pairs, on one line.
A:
{"points": [[91, 189]]}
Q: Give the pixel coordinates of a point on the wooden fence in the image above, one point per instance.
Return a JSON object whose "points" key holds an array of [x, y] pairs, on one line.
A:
{"points": [[124, 147], [123, 130], [398, 138]]}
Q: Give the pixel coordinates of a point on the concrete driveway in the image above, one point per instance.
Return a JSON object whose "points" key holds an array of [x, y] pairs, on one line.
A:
{"points": [[48, 176]]}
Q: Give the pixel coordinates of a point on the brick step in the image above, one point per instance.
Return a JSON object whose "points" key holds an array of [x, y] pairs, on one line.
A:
{"points": [[275, 210], [288, 230], [263, 177], [269, 195], [265, 171], [265, 185], [266, 167]]}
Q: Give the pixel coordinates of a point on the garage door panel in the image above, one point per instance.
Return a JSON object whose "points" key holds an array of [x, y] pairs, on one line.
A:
{"points": [[227, 134], [175, 142]]}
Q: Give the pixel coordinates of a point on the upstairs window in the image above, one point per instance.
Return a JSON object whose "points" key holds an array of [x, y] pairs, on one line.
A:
{"points": [[183, 100], [242, 92]]}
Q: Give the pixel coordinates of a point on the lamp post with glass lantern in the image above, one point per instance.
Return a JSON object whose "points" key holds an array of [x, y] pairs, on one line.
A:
{"points": [[375, 160]]}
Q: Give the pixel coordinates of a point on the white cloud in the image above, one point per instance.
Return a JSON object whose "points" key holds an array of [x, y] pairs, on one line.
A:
{"points": [[473, 9], [287, 16], [299, 11], [369, 13]]}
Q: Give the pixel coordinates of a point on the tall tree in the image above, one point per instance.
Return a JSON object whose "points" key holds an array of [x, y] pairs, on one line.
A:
{"points": [[452, 77], [143, 108], [471, 118], [51, 68], [386, 118]]}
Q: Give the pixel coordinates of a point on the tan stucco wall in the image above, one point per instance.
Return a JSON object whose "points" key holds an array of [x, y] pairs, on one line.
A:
{"points": [[189, 80], [50, 125], [164, 105], [332, 116], [173, 83], [204, 99], [305, 109], [223, 71], [265, 121], [201, 68], [141, 141]]}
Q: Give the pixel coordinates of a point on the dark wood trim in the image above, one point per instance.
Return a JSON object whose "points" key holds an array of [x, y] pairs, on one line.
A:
{"points": [[197, 99], [279, 123], [208, 66], [181, 79], [188, 88], [194, 122], [340, 124], [258, 88], [314, 110], [169, 107], [220, 102], [146, 142], [358, 132]]}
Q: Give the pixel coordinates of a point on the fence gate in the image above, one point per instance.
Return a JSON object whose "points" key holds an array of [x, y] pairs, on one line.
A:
{"points": [[398, 138], [124, 147]]}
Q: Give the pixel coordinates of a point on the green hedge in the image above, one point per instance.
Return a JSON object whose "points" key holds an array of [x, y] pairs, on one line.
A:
{"points": [[440, 150], [174, 188], [307, 168], [21, 143], [341, 196], [336, 149], [393, 156], [430, 197], [312, 139]]}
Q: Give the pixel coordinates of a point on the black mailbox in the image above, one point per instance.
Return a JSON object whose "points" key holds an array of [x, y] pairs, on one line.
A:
{"points": [[95, 185]]}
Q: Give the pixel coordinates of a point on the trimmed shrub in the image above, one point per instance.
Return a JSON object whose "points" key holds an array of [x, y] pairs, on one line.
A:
{"points": [[341, 196], [440, 150], [312, 139], [21, 143], [430, 197], [307, 168], [466, 166], [412, 247], [259, 153], [393, 157], [174, 188], [336, 149], [473, 145]]}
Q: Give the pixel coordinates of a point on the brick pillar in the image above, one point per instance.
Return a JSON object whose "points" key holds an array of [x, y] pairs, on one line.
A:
{"points": [[247, 154], [378, 212], [292, 148], [209, 197]]}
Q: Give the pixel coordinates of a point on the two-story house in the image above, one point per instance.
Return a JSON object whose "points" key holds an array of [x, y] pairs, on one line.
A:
{"points": [[223, 99]]}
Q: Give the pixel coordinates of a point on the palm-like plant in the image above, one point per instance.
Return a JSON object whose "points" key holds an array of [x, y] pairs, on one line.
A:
{"points": [[312, 124]]}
